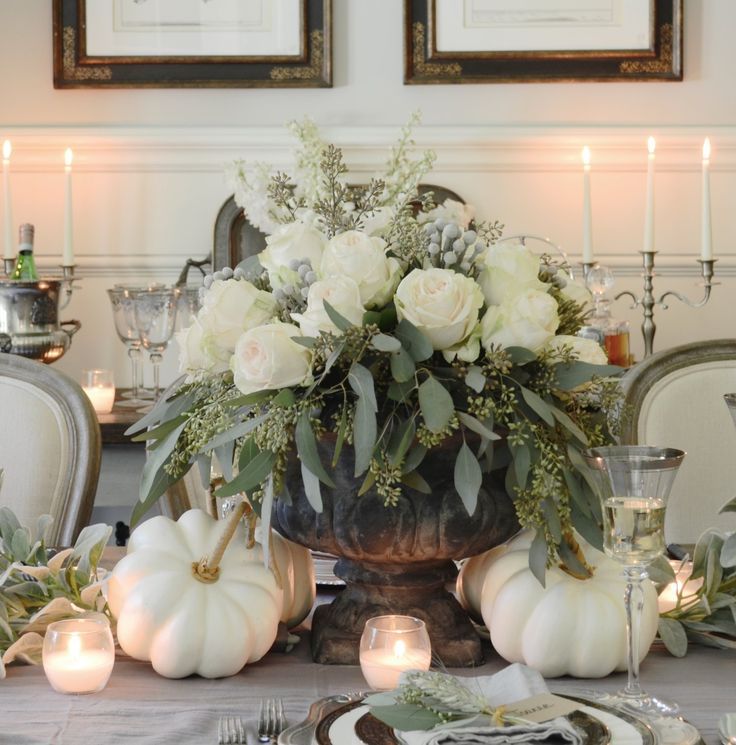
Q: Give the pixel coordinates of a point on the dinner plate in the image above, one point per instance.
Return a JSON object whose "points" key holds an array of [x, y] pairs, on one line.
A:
{"points": [[344, 720], [324, 570]]}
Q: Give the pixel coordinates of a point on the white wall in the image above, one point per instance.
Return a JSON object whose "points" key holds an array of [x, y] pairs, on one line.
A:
{"points": [[148, 176]]}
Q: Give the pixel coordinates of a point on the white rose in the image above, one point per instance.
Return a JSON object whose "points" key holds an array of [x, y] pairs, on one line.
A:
{"points": [[578, 292], [230, 307], [356, 255], [193, 357], [342, 294], [296, 240], [584, 350], [267, 358], [527, 320], [510, 268], [450, 211], [441, 303]]}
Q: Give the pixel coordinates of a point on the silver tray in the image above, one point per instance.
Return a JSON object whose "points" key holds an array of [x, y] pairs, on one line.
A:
{"points": [[304, 732]]}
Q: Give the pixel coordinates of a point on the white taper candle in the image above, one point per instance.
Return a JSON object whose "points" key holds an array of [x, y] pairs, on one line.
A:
{"points": [[9, 248], [587, 213], [68, 255], [706, 244], [649, 211]]}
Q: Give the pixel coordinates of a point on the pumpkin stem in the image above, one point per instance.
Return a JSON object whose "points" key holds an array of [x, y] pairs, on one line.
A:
{"points": [[574, 546], [207, 570]]}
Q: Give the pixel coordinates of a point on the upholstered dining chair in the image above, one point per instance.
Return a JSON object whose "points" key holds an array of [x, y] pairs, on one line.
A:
{"points": [[49, 447], [675, 399]]}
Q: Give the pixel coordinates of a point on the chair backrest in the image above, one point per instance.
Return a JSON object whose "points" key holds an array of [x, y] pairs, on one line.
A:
{"points": [[237, 239], [49, 447], [676, 400]]}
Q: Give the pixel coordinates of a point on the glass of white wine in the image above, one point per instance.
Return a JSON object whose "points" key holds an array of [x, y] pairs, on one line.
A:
{"points": [[634, 483]]}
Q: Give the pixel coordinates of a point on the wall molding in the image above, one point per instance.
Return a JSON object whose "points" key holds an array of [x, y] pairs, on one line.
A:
{"points": [[465, 149]]}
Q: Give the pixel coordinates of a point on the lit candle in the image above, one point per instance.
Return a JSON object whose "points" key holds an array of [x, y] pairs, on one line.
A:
{"points": [[649, 212], [78, 655], [9, 250], [100, 389], [382, 668], [706, 246], [68, 255], [667, 600], [587, 216]]}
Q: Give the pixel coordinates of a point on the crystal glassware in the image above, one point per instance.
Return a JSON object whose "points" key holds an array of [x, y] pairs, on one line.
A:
{"points": [[155, 317], [123, 313], [634, 483]]}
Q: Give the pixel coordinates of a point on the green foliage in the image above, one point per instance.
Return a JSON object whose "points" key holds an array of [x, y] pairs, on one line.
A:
{"points": [[704, 614], [37, 588]]}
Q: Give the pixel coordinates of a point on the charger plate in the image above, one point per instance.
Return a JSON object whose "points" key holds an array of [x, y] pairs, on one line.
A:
{"points": [[344, 720]]}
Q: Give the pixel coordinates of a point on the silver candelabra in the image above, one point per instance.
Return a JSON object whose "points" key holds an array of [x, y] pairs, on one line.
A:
{"points": [[648, 301]]}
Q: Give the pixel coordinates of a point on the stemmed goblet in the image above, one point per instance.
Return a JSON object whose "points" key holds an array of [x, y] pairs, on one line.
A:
{"points": [[155, 316], [123, 313], [634, 483]]}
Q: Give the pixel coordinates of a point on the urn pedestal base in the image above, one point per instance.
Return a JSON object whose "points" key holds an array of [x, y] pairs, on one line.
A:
{"points": [[380, 589]]}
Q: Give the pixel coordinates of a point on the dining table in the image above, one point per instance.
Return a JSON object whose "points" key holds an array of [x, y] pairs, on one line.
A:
{"points": [[139, 706]]}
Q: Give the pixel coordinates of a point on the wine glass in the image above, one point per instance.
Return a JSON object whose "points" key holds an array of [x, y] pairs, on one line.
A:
{"points": [[155, 316], [634, 483], [123, 314]]}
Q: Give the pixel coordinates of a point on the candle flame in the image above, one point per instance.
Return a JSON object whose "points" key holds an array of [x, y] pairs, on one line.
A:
{"points": [[75, 646], [651, 144], [7, 149], [706, 149], [400, 648], [586, 156], [68, 157]]}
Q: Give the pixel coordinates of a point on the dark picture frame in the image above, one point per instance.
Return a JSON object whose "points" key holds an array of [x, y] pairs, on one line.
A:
{"points": [[425, 64], [75, 68]]}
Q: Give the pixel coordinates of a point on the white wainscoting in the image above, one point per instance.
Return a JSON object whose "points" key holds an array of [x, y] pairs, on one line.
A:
{"points": [[145, 199]]}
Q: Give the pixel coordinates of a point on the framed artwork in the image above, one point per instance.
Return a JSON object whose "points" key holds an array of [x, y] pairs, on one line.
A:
{"points": [[192, 43], [514, 41]]}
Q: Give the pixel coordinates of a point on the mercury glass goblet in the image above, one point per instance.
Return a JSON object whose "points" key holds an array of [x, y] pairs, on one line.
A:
{"points": [[123, 314], [155, 316], [634, 483]]}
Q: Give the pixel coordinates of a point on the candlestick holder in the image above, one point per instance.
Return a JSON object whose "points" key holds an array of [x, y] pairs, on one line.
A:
{"points": [[67, 283], [647, 301], [9, 264]]}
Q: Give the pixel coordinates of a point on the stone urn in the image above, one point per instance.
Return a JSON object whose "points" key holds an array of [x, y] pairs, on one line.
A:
{"points": [[396, 559]]}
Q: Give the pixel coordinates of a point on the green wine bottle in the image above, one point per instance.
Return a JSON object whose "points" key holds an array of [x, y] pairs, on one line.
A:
{"points": [[25, 266]]}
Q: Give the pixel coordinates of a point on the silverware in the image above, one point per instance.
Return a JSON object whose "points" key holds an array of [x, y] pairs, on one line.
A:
{"points": [[231, 731], [271, 720]]}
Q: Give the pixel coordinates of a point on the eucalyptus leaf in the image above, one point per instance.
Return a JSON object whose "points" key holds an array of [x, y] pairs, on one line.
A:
{"points": [[468, 478], [365, 430], [403, 368], [337, 318], [251, 476], [156, 433], [361, 381], [386, 343], [729, 506], [673, 636], [571, 560], [436, 404], [414, 458], [475, 379], [414, 480], [538, 557], [164, 408], [368, 482], [225, 454], [520, 355], [571, 375], [160, 482], [538, 405], [414, 341], [728, 552], [306, 446], [400, 392], [522, 463], [312, 489], [401, 441], [553, 519], [569, 425], [155, 462], [475, 425], [236, 432], [305, 341], [341, 432]]}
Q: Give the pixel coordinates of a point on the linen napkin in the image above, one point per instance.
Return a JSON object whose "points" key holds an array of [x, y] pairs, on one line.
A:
{"points": [[514, 683]]}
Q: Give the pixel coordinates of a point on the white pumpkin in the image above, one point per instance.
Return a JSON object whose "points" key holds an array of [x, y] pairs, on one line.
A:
{"points": [[296, 570], [570, 627], [181, 624]]}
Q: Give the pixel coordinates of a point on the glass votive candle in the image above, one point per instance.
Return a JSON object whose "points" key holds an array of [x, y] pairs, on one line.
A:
{"points": [[100, 389], [78, 654], [391, 645]]}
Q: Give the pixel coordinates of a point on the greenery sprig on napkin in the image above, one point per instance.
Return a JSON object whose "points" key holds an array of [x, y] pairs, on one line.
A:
{"points": [[36, 590], [705, 614]]}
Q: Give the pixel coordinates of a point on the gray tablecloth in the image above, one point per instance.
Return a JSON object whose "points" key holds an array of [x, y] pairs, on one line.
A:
{"points": [[140, 707]]}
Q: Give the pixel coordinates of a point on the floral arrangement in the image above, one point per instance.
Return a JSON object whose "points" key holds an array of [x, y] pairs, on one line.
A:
{"points": [[393, 324], [36, 590]]}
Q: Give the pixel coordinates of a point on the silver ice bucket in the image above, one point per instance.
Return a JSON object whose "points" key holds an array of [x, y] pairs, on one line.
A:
{"points": [[29, 319]]}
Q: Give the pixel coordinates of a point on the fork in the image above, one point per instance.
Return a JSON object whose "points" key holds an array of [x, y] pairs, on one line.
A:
{"points": [[230, 731], [271, 720]]}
